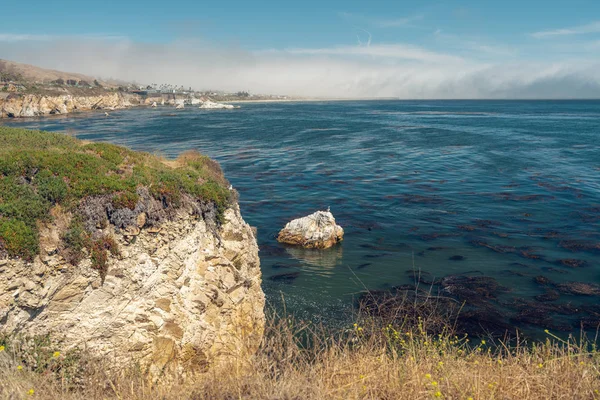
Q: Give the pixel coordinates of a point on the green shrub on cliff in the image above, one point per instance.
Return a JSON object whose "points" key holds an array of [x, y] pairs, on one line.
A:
{"points": [[39, 170], [18, 239]]}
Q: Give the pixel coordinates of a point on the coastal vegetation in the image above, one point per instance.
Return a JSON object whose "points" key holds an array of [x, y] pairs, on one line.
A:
{"points": [[46, 174], [298, 360]]}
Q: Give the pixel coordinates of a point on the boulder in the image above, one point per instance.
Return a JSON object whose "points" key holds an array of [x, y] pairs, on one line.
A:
{"points": [[315, 231]]}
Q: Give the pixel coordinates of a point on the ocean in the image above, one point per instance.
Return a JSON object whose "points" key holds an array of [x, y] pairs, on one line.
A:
{"points": [[507, 190]]}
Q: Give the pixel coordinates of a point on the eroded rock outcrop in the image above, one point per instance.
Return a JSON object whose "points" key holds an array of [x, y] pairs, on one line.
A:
{"points": [[30, 105], [186, 294], [315, 231]]}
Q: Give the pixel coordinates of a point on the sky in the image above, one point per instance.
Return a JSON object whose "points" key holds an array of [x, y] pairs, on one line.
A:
{"points": [[343, 49]]}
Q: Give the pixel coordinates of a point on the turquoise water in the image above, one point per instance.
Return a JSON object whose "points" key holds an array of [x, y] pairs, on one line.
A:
{"points": [[510, 186]]}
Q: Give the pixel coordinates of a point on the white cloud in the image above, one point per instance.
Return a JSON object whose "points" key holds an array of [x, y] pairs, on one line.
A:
{"points": [[477, 47], [380, 22], [16, 37], [392, 70], [390, 51], [593, 27], [396, 22], [27, 37]]}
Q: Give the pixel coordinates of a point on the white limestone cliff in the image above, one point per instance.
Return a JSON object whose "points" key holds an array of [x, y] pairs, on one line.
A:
{"points": [[185, 295]]}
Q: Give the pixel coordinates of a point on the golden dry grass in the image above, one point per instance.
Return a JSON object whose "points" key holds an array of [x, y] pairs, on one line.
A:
{"points": [[361, 362]]}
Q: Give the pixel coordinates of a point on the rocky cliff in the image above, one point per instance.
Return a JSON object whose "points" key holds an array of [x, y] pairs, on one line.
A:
{"points": [[181, 295], [34, 105], [31, 105], [125, 255]]}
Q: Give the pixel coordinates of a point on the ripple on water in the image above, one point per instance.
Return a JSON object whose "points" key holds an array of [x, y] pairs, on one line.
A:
{"points": [[511, 187]]}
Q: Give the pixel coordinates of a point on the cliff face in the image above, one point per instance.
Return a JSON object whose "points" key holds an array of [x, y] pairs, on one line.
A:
{"points": [[32, 105], [185, 294]]}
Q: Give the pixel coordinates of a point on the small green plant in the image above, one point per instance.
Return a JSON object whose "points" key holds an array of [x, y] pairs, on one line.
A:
{"points": [[50, 187], [18, 239]]}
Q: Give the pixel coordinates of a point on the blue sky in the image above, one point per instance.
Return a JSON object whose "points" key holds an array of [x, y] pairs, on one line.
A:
{"points": [[363, 44]]}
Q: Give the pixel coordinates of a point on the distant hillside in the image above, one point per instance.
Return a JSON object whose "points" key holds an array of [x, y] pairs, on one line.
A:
{"points": [[31, 73]]}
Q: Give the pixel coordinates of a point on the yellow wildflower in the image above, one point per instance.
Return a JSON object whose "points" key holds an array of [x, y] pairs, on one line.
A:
{"points": [[438, 394], [56, 354], [20, 367], [1, 348], [31, 392]]}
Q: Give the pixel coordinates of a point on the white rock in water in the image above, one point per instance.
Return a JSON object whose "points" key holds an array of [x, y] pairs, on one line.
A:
{"points": [[179, 106], [214, 106], [315, 231], [154, 105]]}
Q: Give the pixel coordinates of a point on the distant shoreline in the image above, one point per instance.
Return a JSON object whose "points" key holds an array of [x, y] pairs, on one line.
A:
{"points": [[306, 100]]}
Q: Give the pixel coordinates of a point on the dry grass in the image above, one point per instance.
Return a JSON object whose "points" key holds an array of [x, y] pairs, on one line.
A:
{"points": [[303, 361]]}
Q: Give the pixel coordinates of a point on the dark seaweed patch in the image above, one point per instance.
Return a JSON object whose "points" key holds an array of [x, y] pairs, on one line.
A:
{"points": [[285, 278], [542, 280], [284, 266], [415, 198], [376, 255], [572, 263], [268, 250], [576, 245], [555, 270], [472, 289], [422, 277], [579, 288], [548, 295]]}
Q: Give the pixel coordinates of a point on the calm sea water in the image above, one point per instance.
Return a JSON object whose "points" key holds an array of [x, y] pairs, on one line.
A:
{"points": [[511, 187]]}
